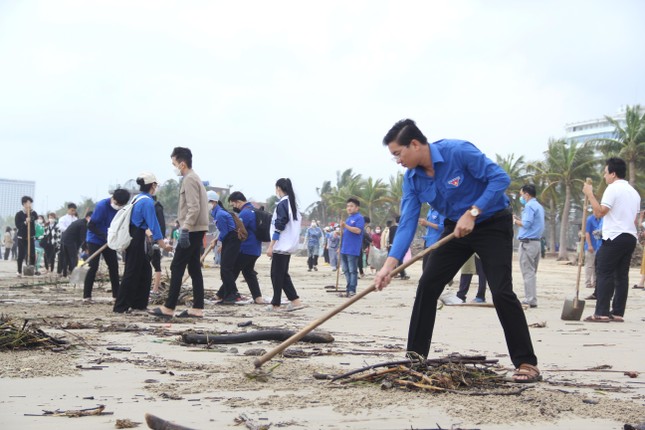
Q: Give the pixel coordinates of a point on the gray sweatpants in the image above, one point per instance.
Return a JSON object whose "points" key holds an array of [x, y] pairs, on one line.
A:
{"points": [[529, 259]]}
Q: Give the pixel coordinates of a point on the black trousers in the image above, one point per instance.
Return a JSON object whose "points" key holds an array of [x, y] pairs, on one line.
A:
{"points": [[22, 253], [7, 252], [230, 252], [137, 275], [187, 258], [465, 280], [281, 280], [612, 274], [67, 258], [246, 264], [112, 262], [492, 240], [50, 257]]}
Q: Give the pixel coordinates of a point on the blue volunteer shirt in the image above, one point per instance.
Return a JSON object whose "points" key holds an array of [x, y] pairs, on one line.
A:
{"points": [[463, 177], [313, 236], [352, 242], [594, 228], [101, 217], [433, 235], [251, 246], [223, 221], [532, 221], [144, 215]]}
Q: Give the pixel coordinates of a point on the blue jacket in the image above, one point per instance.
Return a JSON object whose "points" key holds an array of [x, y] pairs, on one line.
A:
{"points": [[594, 228], [251, 246], [144, 215], [224, 222], [433, 235], [463, 177], [100, 221]]}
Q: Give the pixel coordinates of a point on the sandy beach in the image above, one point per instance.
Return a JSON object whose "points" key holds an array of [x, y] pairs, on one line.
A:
{"points": [[202, 388]]}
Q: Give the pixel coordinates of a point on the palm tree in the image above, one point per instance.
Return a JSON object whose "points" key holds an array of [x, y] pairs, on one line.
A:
{"points": [[629, 140], [565, 167], [515, 168], [373, 193]]}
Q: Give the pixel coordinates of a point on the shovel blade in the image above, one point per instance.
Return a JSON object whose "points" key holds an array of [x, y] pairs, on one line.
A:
{"points": [[77, 276], [28, 270], [572, 309]]}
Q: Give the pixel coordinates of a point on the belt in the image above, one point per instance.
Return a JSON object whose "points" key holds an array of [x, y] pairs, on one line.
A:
{"points": [[528, 240]]}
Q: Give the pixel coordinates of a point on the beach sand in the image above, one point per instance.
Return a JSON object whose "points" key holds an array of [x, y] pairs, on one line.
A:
{"points": [[204, 388]]}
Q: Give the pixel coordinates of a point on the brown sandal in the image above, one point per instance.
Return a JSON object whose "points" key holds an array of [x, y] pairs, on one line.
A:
{"points": [[527, 374]]}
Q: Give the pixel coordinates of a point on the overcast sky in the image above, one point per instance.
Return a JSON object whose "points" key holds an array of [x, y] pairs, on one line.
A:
{"points": [[94, 92]]}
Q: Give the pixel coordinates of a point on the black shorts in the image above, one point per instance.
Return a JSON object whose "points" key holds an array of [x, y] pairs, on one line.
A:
{"points": [[156, 260]]}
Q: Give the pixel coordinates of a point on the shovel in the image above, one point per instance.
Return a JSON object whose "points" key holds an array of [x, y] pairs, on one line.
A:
{"points": [[28, 269], [572, 309], [79, 273]]}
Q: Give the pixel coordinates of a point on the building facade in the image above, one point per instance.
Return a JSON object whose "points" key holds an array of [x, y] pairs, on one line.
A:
{"points": [[11, 191], [599, 128]]}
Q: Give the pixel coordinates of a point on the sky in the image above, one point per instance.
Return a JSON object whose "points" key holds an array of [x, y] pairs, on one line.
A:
{"points": [[93, 93]]}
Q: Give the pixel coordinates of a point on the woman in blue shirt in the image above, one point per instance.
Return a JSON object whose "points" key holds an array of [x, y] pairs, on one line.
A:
{"points": [[230, 249], [137, 275]]}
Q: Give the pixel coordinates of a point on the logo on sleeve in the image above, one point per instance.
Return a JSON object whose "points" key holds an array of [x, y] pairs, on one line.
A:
{"points": [[454, 182]]}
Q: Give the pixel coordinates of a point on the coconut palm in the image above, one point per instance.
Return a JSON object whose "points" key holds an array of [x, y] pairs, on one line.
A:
{"points": [[372, 195], [565, 168], [629, 140]]}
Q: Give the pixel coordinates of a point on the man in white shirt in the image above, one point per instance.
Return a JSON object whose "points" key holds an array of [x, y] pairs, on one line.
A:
{"points": [[619, 208], [67, 219]]}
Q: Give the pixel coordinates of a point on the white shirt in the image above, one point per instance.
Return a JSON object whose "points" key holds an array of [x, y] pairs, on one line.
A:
{"points": [[65, 221], [624, 204]]}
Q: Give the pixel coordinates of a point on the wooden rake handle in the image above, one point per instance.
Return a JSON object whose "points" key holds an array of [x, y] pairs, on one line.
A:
{"points": [[296, 337], [93, 256]]}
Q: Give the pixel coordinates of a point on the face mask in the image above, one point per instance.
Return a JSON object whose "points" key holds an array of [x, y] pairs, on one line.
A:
{"points": [[177, 171], [52, 220], [522, 200], [41, 222], [115, 207], [313, 224], [377, 231], [211, 206]]}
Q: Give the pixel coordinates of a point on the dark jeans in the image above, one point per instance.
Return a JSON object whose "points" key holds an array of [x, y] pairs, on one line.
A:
{"points": [[612, 274], [7, 252], [492, 240], [230, 251], [67, 258], [22, 253], [465, 280], [246, 264], [281, 280], [112, 262], [137, 275], [187, 258], [50, 257]]}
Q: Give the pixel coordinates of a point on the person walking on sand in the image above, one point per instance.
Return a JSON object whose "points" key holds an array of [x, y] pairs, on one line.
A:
{"points": [[460, 182], [25, 220], [350, 247], [619, 209], [312, 239], [193, 221], [8, 242], [285, 235]]}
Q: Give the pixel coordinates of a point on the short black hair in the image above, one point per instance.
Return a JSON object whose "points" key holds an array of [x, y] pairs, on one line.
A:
{"points": [[618, 166], [183, 154], [26, 199], [354, 200], [403, 132], [397, 218], [143, 187], [237, 196], [529, 189], [367, 219], [71, 206], [88, 214], [388, 223], [121, 196]]}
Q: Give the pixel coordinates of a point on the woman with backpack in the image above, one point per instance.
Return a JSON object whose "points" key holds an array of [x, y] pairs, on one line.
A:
{"points": [[285, 236], [229, 236], [144, 229]]}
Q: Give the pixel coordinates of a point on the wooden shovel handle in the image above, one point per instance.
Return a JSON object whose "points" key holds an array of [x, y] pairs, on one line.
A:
{"points": [[299, 335], [91, 257]]}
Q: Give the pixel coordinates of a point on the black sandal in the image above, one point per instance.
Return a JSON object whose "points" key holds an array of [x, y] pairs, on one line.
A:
{"points": [[156, 312], [185, 314]]}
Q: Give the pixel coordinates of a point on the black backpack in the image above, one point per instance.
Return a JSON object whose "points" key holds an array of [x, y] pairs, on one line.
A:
{"points": [[262, 225]]}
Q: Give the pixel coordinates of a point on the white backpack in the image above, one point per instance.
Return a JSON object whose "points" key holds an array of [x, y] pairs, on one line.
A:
{"points": [[118, 234]]}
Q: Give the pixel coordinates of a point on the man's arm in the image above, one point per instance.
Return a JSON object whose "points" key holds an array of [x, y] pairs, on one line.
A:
{"points": [[193, 202], [598, 210]]}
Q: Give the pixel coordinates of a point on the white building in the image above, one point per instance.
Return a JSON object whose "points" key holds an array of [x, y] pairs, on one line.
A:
{"points": [[595, 128], [11, 192]]}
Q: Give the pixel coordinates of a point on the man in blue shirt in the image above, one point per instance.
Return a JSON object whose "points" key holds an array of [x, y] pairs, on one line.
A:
{"points": [[250, 249], [351, 243], [593, 242], [434, 223], [96, 237], [530, 235], [460, 182]]}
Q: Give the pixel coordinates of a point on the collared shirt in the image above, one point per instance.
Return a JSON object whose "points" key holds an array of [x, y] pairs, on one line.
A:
{"points": [[144, 215], [223, 221], [624, 204], [433, 234], [352, 242], [463, 177], [251, 246], [65, 221], [532, 221], [594, 228]]}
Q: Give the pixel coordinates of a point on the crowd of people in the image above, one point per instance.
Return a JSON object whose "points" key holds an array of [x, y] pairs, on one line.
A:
{"points": [[466, 192]]}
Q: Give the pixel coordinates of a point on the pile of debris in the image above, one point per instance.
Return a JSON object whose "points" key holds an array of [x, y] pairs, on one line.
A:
{"points": [[16, 336]]}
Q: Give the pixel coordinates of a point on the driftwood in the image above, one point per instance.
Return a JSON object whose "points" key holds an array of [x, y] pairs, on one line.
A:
{"points": [[73, 413], [156, 423], [280, 335]]}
